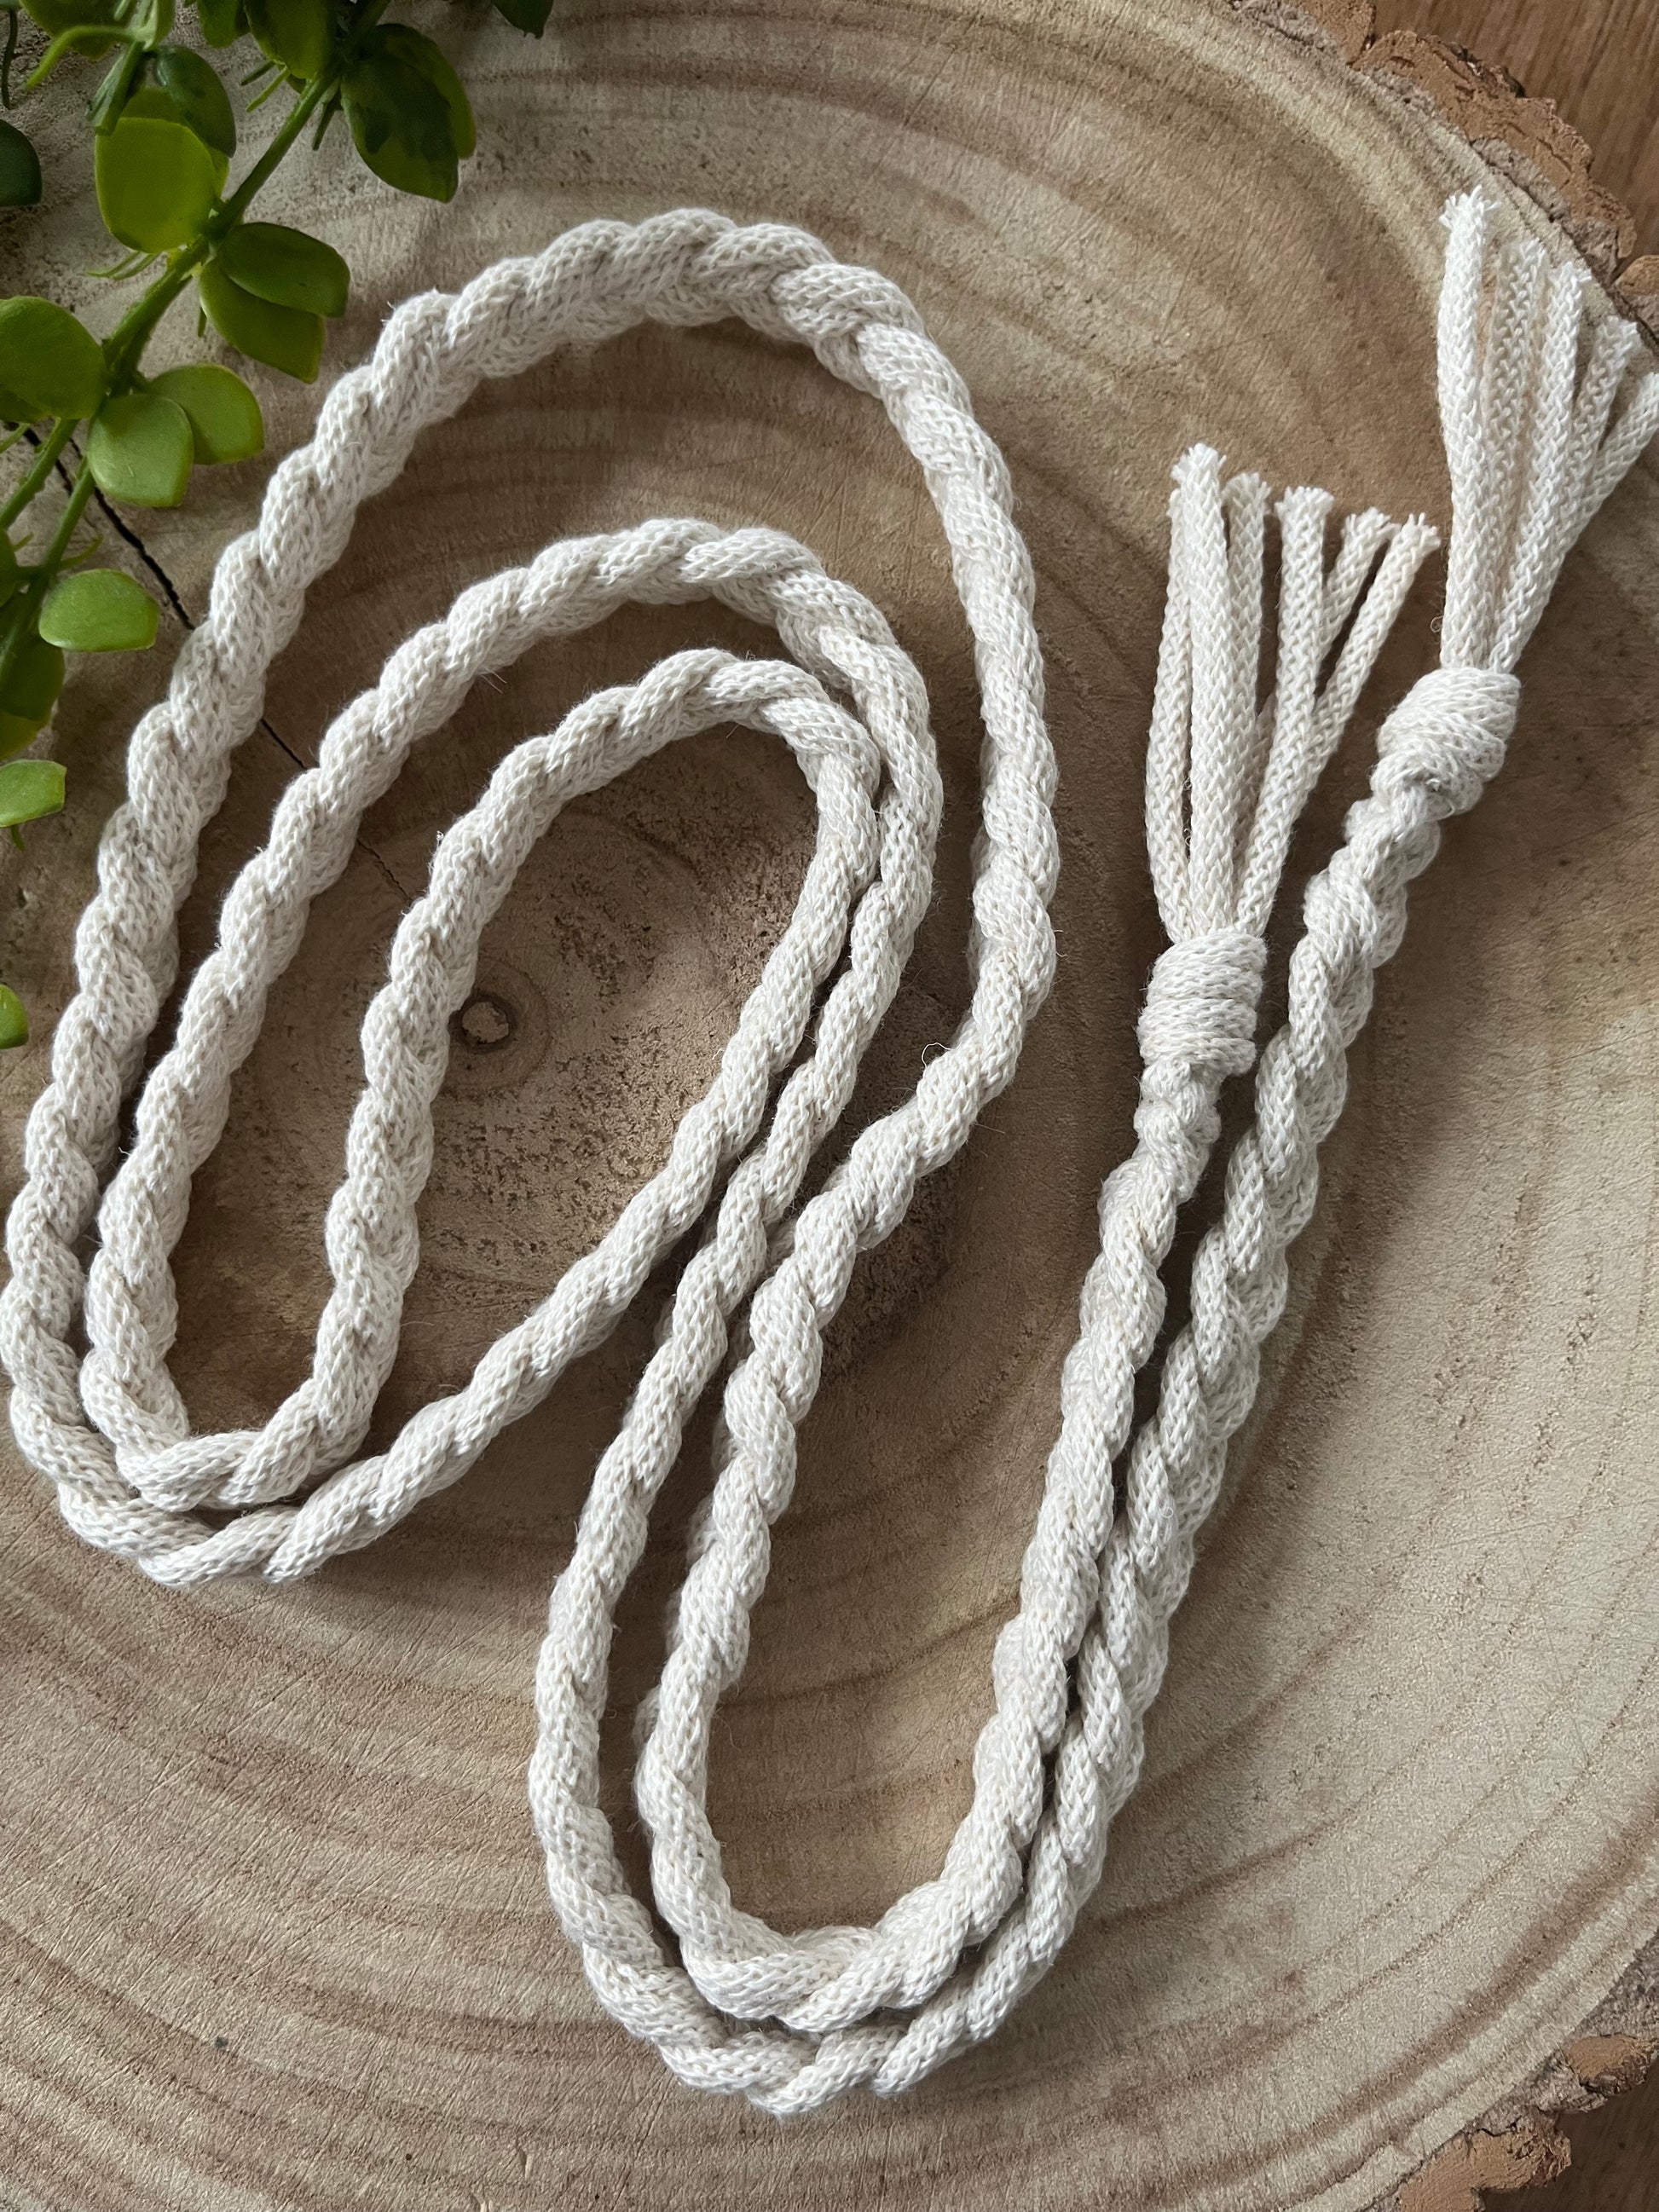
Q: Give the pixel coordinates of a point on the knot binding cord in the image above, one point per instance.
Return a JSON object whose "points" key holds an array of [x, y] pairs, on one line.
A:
{"points": [[1541, 420]]}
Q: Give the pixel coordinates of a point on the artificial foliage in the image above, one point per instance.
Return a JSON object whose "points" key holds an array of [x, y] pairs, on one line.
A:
{"points": [[162, 120]]}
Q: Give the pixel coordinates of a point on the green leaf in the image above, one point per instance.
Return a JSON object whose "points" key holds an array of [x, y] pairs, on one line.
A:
{"points": [[400, 125], [222, 20], [57, 16], [98, 610], [286, 267], [28, 789], [288, 339], [36, 678], [10, 575], [19, 168], [225, 421], [15, 736], [526, 15], [48, 361], [157, 181], [296, 32], [141, 449], [178, 87], [16, 732], [14, 1020], [405, 44], [13, 409]]}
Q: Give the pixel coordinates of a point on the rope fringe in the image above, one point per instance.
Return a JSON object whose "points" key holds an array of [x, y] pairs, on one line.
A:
{"points": [[1542, 417]]}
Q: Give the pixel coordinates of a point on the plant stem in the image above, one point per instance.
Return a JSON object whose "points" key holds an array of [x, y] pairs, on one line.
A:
{"points": [[26, 604], [79, 492], [45, 461]]}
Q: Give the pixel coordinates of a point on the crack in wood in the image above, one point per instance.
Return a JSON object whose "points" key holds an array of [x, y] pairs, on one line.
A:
{"points": [[129, 538]]}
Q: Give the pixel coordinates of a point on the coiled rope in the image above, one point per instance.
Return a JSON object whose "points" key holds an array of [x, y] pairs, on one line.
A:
{"points": [[1535, 441]]}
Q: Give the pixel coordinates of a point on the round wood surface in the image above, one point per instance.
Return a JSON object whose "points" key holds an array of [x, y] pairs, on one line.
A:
{"points": [[278, 1931]]}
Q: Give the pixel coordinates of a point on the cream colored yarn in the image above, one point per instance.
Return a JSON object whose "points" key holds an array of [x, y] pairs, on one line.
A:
{"points": [[1536, 437]]}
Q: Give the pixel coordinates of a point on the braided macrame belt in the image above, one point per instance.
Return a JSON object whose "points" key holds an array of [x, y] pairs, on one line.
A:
{"points": [[1540, 417]]}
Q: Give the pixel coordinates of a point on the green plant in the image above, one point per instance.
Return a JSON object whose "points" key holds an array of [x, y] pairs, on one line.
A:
{"points": [[164, 136]]}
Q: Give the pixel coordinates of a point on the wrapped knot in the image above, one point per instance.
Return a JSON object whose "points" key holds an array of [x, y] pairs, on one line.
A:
{"points": [[1447, 735], [1201, 1002]]}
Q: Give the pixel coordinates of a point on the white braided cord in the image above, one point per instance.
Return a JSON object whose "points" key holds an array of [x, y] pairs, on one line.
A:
{"points": [[1534, 445]]}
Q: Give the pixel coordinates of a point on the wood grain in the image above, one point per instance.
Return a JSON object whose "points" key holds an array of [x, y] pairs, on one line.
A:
{"points": [[275, 1929], [1598, 61]]}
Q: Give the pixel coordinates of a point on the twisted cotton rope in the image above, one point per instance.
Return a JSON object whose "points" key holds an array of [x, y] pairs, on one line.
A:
{"points": [[126, 1477], [372, 1243], [1049, 1770], [1437, 747], [1196, 1028]]}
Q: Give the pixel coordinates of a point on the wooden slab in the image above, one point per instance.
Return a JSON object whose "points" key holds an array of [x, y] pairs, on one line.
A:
{"points": [[275, 1929]]}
